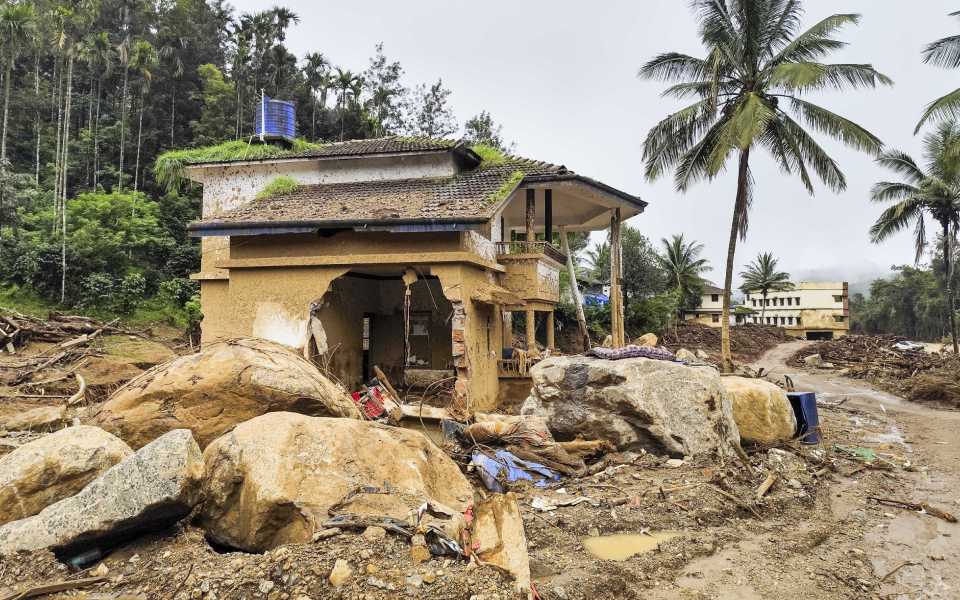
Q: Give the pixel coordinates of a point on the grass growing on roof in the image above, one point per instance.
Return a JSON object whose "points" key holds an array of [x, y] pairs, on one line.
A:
{"points": [[489, 155], [168, 167], [506, 188], [278, 186]]}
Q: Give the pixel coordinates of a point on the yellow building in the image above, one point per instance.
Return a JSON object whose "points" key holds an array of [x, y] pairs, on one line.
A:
{"points": [[710, 311], [812, 310], [410, 254]]}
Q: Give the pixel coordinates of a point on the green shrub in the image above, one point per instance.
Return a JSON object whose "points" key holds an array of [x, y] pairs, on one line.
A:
{"points": [[278, 186]]}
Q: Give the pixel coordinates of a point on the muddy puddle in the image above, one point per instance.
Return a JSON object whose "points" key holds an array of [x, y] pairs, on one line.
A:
{"points": [[622, 546]]}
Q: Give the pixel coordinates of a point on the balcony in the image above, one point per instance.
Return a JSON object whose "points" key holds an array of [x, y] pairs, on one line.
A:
{"points": [[515, 249], [532, 270]]}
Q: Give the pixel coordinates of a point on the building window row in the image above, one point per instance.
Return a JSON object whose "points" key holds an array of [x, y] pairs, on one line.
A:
{"points": [[778, 320], [791, 301]]}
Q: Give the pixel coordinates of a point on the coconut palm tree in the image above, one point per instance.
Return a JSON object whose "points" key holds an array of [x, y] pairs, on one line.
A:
{"points": [[683, 264], [173, 52], [345, 80], [751, 91], [931, 190], [314, 71], [762, 276], [945, 53], [143, 61], [16, 31], [97, 52]]}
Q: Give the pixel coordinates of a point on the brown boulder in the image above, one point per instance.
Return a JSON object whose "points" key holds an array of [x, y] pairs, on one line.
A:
{"points": [[761, 409], [43, 418], [224, 384], [272, 480], [55, 467]]}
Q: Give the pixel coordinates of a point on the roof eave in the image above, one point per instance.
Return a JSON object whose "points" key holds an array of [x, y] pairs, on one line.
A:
{"points": [[630, 198], [227, 228]]}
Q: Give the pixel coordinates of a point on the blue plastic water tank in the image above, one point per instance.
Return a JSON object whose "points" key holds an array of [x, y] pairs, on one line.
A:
{"points": [[808, 420], [276, 119]]}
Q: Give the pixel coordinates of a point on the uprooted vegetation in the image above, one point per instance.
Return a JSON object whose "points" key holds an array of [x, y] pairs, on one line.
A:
{"points": [[747, 342], [916, 374]]}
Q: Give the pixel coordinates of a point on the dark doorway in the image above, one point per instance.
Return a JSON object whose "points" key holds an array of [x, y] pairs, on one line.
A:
{"points": [[819, 336]]}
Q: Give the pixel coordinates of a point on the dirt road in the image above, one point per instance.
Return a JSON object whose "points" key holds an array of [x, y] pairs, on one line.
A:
{"points": [[887, 552]]}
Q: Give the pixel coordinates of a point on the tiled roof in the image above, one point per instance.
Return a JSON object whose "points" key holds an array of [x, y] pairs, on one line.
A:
{"points": [[470, 196]]}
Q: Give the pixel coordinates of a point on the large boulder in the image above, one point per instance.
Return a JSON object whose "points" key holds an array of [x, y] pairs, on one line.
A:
{"points": [[635, 403], [272, 479], [224, 384], [761, 409], [153, 488], [55, 467], [42, 418]]}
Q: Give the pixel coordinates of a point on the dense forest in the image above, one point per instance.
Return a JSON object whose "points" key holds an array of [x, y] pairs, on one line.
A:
{"points": [[94, 91]]}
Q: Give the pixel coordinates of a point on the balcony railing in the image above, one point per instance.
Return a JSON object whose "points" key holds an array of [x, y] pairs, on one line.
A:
{"points": [[524, 247]]}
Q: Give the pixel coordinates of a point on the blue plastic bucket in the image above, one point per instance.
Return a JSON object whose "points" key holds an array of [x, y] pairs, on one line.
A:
{"points": [[808, 421]]}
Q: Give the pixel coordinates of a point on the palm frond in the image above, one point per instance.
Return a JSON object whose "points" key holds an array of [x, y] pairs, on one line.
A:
{"points": [[903, 164], [944, 52], [784, 21], [694, 164], [885, 191], [786, 152], [747, 122], [835, 126], [896, 218], [815, 43], [945, 107], [671, 138], [672, 66], [813, 155], [805, 76]]}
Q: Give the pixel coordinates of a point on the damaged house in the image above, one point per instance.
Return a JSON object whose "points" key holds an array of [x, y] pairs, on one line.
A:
{"points": [[414, 255]]}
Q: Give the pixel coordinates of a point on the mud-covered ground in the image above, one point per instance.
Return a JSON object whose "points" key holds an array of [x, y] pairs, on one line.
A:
{"points": [[811, 536]]}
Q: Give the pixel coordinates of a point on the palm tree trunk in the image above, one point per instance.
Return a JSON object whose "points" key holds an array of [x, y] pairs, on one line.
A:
{"points": [[6, 105], [173, 113], [739, 206], [763, 307], [123, 122], [948, 272], [63, 204], [96, 137], [136, 168], [36, 122], [313, 116]]}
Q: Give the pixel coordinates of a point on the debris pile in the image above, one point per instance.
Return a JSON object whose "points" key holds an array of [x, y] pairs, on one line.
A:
{"points": [[887, 361], [747, 342]]}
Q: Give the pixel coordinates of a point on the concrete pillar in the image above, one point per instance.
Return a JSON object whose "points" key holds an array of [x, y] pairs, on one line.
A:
{"points": [[548, 216], [551, 342], [531, 331], [531, 215], [616, 292]]}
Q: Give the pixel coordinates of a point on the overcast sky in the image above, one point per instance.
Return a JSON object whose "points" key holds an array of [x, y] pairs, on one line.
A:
{"points": [[560, 76]]}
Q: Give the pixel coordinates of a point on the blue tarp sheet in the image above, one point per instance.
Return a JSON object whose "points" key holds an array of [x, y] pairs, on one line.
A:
{"points": [[505, 466]]}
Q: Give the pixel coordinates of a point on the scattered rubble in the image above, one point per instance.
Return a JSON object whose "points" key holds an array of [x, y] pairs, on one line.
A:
{"points": [[636, 403], [224, 384], [890, 363], [747, 342]]}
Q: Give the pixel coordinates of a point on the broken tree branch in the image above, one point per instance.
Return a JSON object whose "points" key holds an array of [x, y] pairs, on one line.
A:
{"points": [[52, 588], [921, 507]]}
